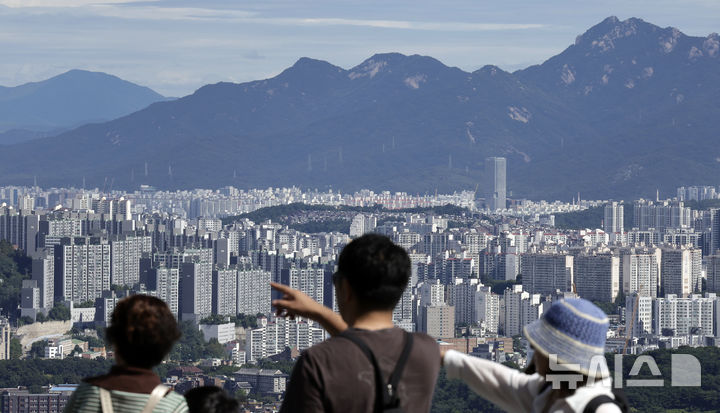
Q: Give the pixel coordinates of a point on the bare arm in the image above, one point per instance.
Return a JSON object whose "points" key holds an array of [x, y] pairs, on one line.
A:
{"points": [[296, 303]]}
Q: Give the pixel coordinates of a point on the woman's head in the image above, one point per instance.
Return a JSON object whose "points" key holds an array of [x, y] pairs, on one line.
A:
{"points": [[142, 330]]}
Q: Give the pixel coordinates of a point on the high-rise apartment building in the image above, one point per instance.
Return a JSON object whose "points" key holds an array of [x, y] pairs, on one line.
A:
{"points": [[713, 273], [4, 338], [661, 215], [678, 316], [597, 276], [681, 271], [195, 290], [224, 291], [43, 271], [125, 254], [544, 273], [273, 336], [362, 224], [495, 183], [641, 271], [438, 321], [638, 315], [308, 280], [166, 284], [253, 290], [82, 268], [403, 312], [521, 308], [715, 232], [19, 227], [464, 300], [487, 307], [613, 218]]}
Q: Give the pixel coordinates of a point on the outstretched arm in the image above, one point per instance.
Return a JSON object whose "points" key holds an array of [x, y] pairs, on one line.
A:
{"points": [[296, 303]]}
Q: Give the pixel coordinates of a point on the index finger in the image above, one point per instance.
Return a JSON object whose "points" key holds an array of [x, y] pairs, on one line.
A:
{"points": [[281, 287]]}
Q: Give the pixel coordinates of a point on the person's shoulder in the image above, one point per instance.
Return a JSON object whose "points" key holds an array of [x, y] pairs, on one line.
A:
{"points": [[85, 388], [176, 401], [425, 339], [426, 344], [328, 348]]}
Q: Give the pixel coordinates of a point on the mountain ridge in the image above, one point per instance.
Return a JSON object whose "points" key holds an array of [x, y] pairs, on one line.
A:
{"points": [[597, 119], [70, 99]]}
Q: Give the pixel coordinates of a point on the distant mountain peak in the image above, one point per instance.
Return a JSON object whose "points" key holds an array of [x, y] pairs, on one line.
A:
{"points": [[603, 35], [306, 66], [491, 70], [606, 35], [374, 65], [398, 62]]}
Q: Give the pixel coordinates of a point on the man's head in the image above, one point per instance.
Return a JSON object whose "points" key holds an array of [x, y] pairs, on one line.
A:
{"points": [[375, 270]]}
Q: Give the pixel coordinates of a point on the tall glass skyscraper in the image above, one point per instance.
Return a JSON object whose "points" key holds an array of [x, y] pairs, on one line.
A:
{"points": [[495, 182]]}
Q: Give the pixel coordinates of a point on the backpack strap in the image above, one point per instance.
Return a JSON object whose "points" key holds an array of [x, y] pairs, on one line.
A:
{"points": [[620, 400], [105, 401], [596, 401], [379, 391], [157, 394], [400, 366], [386, 395]]}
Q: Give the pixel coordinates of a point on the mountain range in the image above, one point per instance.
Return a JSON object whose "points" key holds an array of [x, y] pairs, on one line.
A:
{"points": [[67, 101], [627, 109]]}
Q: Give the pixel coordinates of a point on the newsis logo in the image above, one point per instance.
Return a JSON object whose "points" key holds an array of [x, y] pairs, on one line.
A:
{"points": [[685, 371]]}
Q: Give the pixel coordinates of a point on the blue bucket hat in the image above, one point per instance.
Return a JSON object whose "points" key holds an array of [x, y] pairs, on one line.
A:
{"points": [[574, 329]]}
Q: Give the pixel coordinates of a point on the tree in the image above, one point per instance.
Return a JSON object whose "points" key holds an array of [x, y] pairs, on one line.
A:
{"points": [[37, 349], [76, 350], [246, 321], [240, 395], [25, 320], [59, 312], [608, 308], [213, 349], [15, 349], [191, 345], [214, 319], [14, 268]]}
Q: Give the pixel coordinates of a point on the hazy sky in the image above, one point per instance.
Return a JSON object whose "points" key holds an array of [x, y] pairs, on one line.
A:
{"points": [[176, 46]]}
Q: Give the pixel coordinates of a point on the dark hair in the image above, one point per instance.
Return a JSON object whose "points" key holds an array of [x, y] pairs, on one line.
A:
{"points": [[142, 330], [376, 269], [210, 399]]}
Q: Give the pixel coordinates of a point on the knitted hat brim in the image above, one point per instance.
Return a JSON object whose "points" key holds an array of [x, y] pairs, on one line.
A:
{"points": [[571, 353]]}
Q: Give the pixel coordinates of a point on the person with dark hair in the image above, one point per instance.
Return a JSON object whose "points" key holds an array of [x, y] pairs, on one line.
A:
{"points": [[142, 332], [210, 399], [368, 365]]}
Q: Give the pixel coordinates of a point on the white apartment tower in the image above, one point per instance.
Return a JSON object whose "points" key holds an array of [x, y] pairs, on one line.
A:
{"points": [[682, 316], [641, 271], [224, 291], [613, 221], [487, 307], [82, 269], [638, 315], [253, 291]]}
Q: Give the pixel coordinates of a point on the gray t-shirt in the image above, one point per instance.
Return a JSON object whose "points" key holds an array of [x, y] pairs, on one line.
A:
{"points": [[335, 375]]}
